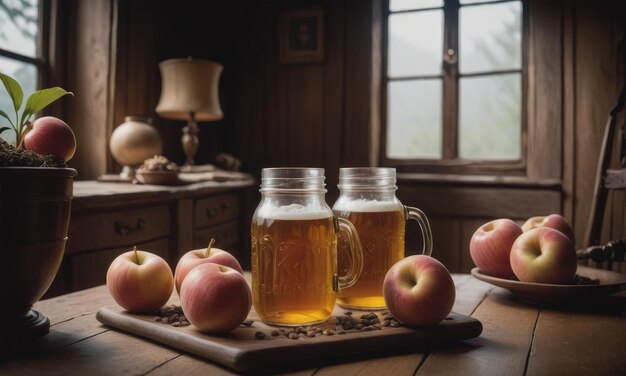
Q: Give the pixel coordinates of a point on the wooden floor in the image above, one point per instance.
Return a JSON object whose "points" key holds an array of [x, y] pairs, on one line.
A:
{"points": [[517, 339]]}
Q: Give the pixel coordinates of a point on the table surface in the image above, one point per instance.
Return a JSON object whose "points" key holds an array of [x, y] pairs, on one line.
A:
{"points": [[517, 339]]}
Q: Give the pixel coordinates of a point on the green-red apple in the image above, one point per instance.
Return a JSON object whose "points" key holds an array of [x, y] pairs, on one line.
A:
{"points": [[140, 281], [544, 255], [215, 298], [490, 247], [50, 135], [419, 291], [555, 221], [197, 257]]}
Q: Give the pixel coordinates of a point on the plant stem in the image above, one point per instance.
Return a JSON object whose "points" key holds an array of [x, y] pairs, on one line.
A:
{"points": [[19, 141]]}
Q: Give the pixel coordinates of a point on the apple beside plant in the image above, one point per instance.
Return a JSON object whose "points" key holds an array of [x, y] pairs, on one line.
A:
{"points": [[214, 295], [45, 136], [541, 250], [140, 281]]}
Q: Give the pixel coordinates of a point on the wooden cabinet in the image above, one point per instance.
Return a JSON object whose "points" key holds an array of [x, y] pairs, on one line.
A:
{"points": [[111, 218]]}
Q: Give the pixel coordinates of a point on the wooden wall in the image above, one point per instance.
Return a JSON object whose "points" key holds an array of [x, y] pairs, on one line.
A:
{"points": [[320, 114]]}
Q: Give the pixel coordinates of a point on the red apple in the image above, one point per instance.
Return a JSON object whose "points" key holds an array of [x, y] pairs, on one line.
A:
{"points": [[544, 255], [419, 291], [197, 257], [140, 281], [215, 298], [555, 221], [50, 135], [490, 247]]}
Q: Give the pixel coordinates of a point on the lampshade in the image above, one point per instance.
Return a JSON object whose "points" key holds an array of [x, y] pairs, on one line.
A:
{"points": [[190, 86]]}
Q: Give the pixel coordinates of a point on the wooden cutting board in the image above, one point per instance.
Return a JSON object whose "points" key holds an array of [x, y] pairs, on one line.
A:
{"points": [[241, 351]]}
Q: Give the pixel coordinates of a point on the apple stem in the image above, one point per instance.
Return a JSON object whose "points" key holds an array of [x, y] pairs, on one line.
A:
{"points": [[208, 249], [136, 255]]}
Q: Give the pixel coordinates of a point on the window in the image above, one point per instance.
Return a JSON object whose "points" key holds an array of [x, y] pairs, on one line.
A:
{"points": [[20, 51], [454, 83]]}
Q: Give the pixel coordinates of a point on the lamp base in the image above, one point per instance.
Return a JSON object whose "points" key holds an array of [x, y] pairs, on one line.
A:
{"points": [[190, 141]]}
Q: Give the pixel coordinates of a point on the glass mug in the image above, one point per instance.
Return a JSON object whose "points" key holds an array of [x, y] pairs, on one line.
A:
{"points": [[367, 199], [294, 249]]}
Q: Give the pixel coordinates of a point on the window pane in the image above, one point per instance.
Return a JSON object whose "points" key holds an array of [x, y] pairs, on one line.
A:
{"points": [[476, 1], [415, 43], [18, 26], [490, 37], [26, 75], [396, 5], [414, 124], [490, 123]]}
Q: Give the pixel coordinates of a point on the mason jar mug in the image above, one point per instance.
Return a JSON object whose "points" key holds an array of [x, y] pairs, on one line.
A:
{"points": [[367, 199]]}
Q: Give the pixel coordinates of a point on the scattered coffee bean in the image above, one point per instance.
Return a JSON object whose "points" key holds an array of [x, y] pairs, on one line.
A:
{"points": [[157, 319], [385, 323], [275, 333], [259, 335], [366, 328], [347, 313], [369, 316], [310, 334], [293, 335], [176, 324], [248, 322]]}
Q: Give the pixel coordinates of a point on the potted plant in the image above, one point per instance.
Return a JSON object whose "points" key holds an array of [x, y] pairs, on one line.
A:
{"points": [[35, 196]]}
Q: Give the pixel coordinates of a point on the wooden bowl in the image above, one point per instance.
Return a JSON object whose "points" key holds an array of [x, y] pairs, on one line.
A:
{"points": [[559, 295], [167, 177]]}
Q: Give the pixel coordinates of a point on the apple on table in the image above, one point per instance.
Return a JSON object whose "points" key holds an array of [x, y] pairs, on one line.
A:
{"points": [[490, 247], [140, 281], [215, 298], [419, 291], [201, 256], [544, 255]]}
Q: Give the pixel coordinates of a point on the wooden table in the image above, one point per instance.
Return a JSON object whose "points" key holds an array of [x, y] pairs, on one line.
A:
{"points": [[517, 339]]}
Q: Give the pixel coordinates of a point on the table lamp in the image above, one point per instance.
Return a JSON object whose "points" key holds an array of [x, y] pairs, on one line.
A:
{"points": [[189, 91]]}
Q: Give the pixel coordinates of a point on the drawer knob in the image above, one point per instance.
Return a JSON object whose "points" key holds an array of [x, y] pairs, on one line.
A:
{"points": [[124, 228], [212, 212]]}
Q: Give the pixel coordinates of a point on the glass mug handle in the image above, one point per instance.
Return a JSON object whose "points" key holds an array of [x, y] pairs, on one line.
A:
{"points": [[420, 217], [356, 255]]}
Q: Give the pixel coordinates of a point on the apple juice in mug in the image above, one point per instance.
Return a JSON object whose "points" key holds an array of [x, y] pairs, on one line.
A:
{"points": [[367, 199], [294, 249]]}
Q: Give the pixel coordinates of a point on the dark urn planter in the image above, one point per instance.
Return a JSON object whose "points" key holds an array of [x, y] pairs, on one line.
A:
{"points": [[34, 219]]}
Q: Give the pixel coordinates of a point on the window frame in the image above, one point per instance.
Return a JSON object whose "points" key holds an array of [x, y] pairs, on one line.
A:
{"points": [[450, 163], [40, 61]]}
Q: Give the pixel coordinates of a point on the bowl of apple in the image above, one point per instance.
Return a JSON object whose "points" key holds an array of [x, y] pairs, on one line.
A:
{"points": [[538, 263]]}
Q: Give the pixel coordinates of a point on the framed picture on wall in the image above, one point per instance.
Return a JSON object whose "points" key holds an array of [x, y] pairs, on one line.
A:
{"points": [[301, 35]]}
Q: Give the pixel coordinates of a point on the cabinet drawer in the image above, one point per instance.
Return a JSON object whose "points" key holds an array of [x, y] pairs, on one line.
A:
{"points": [[226, 237], [89, 269], [117, 228], [216, 209]]}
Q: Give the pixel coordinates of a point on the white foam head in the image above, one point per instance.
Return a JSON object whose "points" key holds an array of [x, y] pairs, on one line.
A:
{"points": [[292, 212], [367, 206]]}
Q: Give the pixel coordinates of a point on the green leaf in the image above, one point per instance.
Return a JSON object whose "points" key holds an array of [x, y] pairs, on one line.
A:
{"points": [[14, 89], [4, 129], [4, 115], [41, 99]]}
